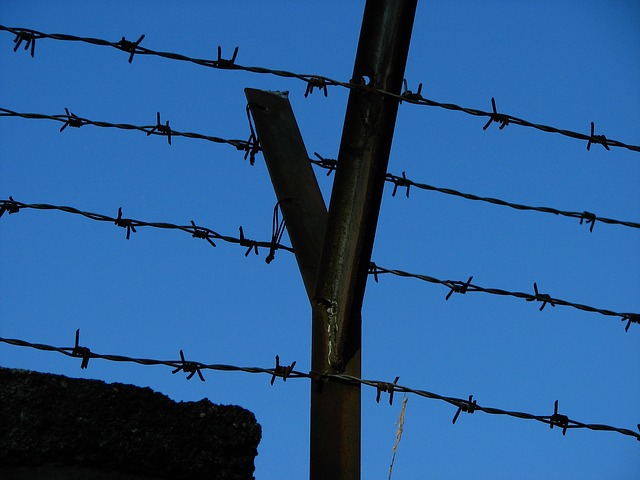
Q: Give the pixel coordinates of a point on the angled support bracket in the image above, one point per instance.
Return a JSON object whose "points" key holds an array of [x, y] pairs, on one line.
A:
{"points": [[333, 251], [293, 179]]}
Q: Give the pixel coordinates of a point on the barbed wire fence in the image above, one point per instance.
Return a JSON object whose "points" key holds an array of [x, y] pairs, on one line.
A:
{"points": [[192, 368], [12, 206], [27, 38], [251, 147]]}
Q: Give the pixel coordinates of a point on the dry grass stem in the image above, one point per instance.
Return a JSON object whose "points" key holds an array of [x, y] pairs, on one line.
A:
{"points": [[400, 424]]}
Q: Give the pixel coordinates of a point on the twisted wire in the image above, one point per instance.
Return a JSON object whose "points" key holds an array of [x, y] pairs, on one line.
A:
{"points": [[73, 352], [12, 206], [457, 286], [320, 82], [69, 119], [404, 182], [329, 164], [285, 372]]}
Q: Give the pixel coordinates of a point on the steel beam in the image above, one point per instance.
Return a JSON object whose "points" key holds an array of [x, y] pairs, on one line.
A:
{"points": [[360, 175], [335, 270], [353, 215]]}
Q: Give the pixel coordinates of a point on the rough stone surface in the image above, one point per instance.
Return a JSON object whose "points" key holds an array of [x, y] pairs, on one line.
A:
{"points": [[55, 420]]}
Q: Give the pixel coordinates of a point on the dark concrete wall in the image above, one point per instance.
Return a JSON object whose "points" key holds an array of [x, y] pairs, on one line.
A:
{"points": [[55, 427], [63, 472]]}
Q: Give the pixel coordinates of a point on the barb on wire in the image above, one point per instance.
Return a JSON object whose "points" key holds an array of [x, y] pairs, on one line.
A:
{"points": [[9, 206], [631, 318], [403, 181], [202, 233], [400, 182], [541, 297], [410, 96], [593, 138], [130, 47], [190, 368], [329, 164], [458, 286], [12, 206], [72, 120], [226, 63], [373, 270], [387, 388], [559, 420], [286, 372], [355, 84], [316, 82], [281, 370], [161, 129], [250, 244], [500, 118], [125, 223], [82, 352], [590, 218], [29, 40], [467, 406]]}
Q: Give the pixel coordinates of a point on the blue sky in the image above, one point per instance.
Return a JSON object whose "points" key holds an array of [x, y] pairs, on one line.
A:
{"points": [[561, 63]]}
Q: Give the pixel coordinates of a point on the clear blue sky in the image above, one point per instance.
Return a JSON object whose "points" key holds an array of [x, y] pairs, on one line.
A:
{"points": [[561, 63]]}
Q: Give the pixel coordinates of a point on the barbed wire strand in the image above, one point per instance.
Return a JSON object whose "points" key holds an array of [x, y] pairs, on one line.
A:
{"points": [[252, 147], [320, 82], [69, 119], [330, 165], [457, 286], [192, 368], [12, 206]]}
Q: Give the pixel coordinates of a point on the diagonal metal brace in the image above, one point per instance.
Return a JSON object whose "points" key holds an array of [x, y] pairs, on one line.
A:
{"points": [[293, 178]]}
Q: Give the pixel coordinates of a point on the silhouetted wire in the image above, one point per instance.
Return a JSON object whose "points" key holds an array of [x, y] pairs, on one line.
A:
{"points": [[399, 182], [329, 164], [12, 206], [193, 367], [457, 286], [321, 82], [69, 119], [404, 182]]}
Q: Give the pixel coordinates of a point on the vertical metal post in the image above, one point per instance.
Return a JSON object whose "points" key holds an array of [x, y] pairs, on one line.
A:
{"points": [[353, 215]]}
